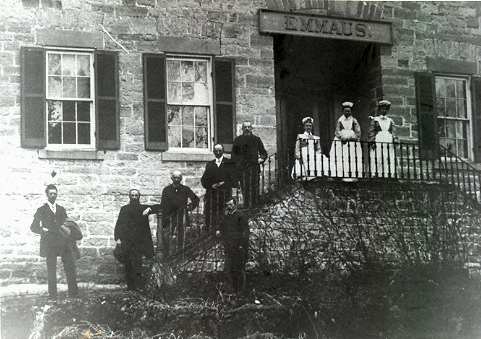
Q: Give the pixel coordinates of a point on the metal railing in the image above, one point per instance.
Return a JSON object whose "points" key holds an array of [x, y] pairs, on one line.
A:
{"points": [[190, 232]]}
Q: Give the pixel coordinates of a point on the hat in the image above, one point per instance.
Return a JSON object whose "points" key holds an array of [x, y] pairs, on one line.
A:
{"points": [[347, 104], [307, 119], [384, 103]]}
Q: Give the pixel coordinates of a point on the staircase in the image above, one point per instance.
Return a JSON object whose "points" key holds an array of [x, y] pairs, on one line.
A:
{"points": [[422, 210]]}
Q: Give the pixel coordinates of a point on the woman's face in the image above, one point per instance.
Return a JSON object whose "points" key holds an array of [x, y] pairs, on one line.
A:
{"points": [[308, 127], [383, 110], [347, 111]]}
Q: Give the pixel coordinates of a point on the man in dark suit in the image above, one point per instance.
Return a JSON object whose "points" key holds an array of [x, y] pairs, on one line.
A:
{"points": [[248, 152], [218, 181], [234, 229], [132, 231], [174, 208], [55, 241]]}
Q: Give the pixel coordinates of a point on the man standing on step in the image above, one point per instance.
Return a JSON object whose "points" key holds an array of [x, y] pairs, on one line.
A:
{"points": [[217, 181], [248, 152], [132, 232], [55, 237], [234, 229]]}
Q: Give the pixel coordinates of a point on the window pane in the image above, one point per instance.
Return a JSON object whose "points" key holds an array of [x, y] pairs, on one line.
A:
{"points": [[54, 133], [175, 136], [83, 65], [54, 87], [451, 88], [450, 129], [68, 66], [174, 93], [69, 133], [83, 133], [201, 72], [188, 137], [441, 106], [54, 110], [54, 64], [187, 71], [460, 89], [83, 111], [451, 145], [441, 128], [69, 111], [83, 87], [187, 93], [462, 147], [188, 116], [460, 130], [201, 139], [173, 70], [462, 113], [69, 87], [173, 115], [201, 93], [451, 108], [200, 116]]}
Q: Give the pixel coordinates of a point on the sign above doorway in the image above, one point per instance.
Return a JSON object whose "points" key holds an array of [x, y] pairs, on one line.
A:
{"points": [[325, 26]]}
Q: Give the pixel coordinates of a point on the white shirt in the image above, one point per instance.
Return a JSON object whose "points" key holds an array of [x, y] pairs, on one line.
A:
{"points": [[218, 161], [53, 206]]}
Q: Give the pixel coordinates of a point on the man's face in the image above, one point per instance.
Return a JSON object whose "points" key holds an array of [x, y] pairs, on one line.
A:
{"points": [[230, 206], [247, 128], [52, 195], [218, 151], [134, 196], [176, 179]]}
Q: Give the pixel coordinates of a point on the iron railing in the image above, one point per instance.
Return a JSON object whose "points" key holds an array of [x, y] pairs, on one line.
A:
{"points": [[348, 161]]}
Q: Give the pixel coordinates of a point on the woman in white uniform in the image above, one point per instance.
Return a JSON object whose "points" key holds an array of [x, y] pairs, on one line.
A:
{"points": [[309, 160], [381, 136], [345, 156]]}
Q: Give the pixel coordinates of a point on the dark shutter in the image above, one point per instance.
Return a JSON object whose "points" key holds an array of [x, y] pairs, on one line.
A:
{"points": [[155, 102], [427, 116], [107, 100], [33, 97], [476, 118], [224, 102]]}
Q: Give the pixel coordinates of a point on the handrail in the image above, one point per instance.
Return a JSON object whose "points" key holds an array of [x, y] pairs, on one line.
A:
{"points": [[344, 161]]}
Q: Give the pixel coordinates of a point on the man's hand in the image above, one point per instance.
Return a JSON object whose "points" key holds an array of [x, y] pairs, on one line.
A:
{"points": [[217, 233], [118, 241], [146, 211], [44, 230], [218, 184], [260, 160]]}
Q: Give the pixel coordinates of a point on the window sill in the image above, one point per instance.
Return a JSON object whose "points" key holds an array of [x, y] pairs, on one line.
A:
{"points": [[192, 157], [70, 155]]}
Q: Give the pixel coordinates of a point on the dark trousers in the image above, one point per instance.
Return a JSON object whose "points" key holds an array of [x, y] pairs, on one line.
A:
{"points": [[234, 269], [173, 225], [249, 181], [133, 270], [69, 267], [214, 203]]}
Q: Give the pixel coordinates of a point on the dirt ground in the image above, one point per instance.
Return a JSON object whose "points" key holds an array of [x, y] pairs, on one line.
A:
{"points": [[411, 303]]}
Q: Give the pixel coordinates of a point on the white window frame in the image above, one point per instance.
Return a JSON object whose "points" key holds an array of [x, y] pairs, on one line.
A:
{"points": [[469, 113], [210, 117], [93, 141]]}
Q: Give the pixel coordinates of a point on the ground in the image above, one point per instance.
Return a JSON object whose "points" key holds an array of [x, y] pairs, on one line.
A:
{"points": [[409, 303]]}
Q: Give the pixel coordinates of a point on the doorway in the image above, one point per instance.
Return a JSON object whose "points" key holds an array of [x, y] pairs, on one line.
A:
{"points": [[313, 77]]}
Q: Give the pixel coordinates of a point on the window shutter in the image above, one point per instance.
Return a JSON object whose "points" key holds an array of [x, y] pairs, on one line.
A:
{"points": [[427, 116], [33, 97], [224, 102], [107, 100], [476, 84], [155, 102]]}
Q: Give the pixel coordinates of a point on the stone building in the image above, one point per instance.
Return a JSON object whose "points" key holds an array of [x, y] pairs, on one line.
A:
{"points": [[105, 95]]}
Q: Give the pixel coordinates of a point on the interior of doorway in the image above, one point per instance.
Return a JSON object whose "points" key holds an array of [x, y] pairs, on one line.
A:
{"points": [[314, 76]]}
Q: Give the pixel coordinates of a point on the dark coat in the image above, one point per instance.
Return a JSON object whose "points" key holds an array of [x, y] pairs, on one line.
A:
{"points": [[53, 240], [174, 199], [133, 230], [234, 229], [246, 149], [213, 174]]}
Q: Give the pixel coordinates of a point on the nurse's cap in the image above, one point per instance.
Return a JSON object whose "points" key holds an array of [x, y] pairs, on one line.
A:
{"points": [[347, 104], [384, 103]]}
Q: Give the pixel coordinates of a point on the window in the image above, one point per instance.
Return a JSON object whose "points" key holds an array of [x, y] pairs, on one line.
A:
{"points": [[449, 115], [454, 114], [189, 103], [70, 99], [70, 105]]}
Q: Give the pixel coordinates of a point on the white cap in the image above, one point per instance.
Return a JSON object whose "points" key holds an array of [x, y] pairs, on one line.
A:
{"points": [[347, 104], [307, 119], [384, 103]]}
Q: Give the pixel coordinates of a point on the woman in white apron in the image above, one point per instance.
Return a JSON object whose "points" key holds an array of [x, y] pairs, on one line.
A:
{"points": [[382, 135], [309, 161], [345, 156]]}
